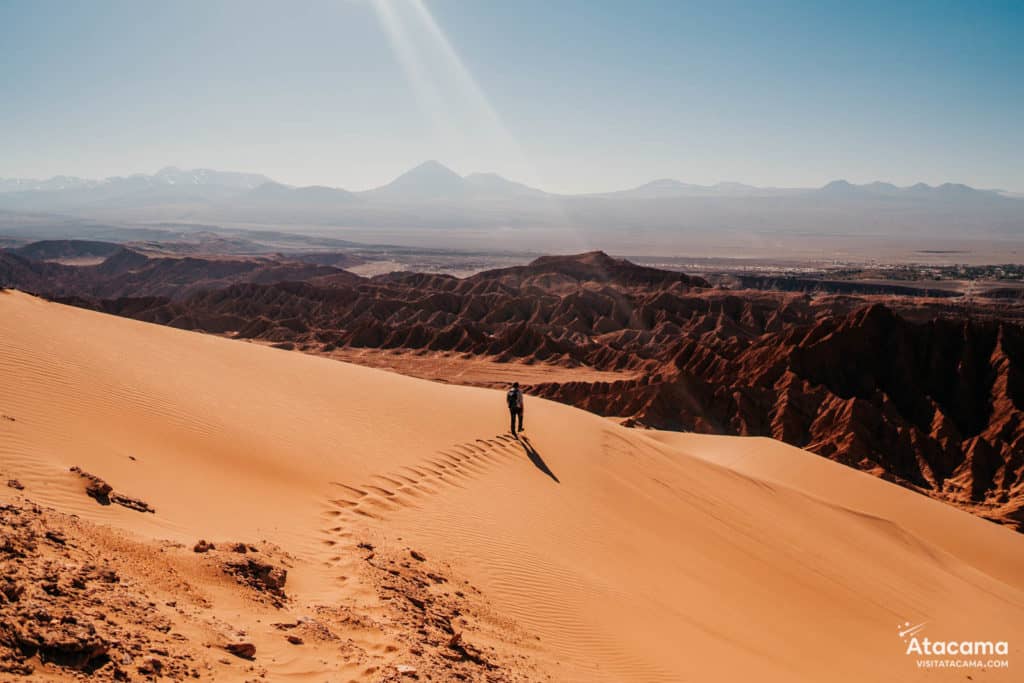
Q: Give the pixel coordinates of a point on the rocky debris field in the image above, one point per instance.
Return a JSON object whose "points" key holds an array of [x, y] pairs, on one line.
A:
{"points": [[63, 606], [81, 601]]}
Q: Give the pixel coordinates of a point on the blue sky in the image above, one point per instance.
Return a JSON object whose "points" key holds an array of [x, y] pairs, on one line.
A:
{"points": [[574, 96]]}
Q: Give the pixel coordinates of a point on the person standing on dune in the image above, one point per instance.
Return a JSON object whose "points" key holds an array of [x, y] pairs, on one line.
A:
{"points": [[514, 398]]}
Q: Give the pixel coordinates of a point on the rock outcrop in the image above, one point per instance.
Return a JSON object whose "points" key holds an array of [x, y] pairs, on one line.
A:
{"points": [[104, 493], [937, 406]]}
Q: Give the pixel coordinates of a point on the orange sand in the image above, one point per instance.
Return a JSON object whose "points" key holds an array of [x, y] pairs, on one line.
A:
{"points": [[624, 555]]}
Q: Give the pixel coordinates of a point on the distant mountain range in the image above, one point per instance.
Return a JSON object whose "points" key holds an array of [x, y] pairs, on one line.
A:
{"points": [[432, 180], [165, 177], [668, 187], [434, 196]]}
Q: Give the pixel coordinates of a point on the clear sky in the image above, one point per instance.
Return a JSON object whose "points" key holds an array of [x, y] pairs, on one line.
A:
{"points": [[574, 95]]}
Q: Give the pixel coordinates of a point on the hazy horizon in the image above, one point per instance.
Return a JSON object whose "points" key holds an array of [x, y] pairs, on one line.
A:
{"points": [[483, 172], [352, 94]]}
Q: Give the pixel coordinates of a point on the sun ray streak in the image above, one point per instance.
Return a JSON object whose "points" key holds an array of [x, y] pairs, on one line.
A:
{"points": [[506, 141], [466, 81], [460, 112], [426, 93]]}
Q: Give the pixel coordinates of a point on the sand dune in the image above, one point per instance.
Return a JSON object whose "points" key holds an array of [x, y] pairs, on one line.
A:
{"points": [[586, 551], [941, 414]]}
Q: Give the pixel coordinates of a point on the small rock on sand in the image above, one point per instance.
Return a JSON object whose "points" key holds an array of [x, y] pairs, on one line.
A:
{"points": [[56, 536], [104, 493], [131, 503], [259, 575], [94, 486], [243, 650], [15, 484]]}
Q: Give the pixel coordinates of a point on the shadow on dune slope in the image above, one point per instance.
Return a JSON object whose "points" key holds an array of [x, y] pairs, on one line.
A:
{"points": [[535, 458]]}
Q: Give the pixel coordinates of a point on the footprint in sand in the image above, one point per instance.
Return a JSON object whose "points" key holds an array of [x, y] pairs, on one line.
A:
{"points": [[453, 467]]}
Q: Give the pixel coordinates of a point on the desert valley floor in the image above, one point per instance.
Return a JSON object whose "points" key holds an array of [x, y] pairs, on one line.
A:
{"points": [[371, 526]]}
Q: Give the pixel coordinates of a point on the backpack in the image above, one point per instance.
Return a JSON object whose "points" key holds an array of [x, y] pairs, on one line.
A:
{"points": [[512, 397]]}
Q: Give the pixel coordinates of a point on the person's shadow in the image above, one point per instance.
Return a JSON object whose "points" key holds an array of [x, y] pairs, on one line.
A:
{"points": [[535, 458]]}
